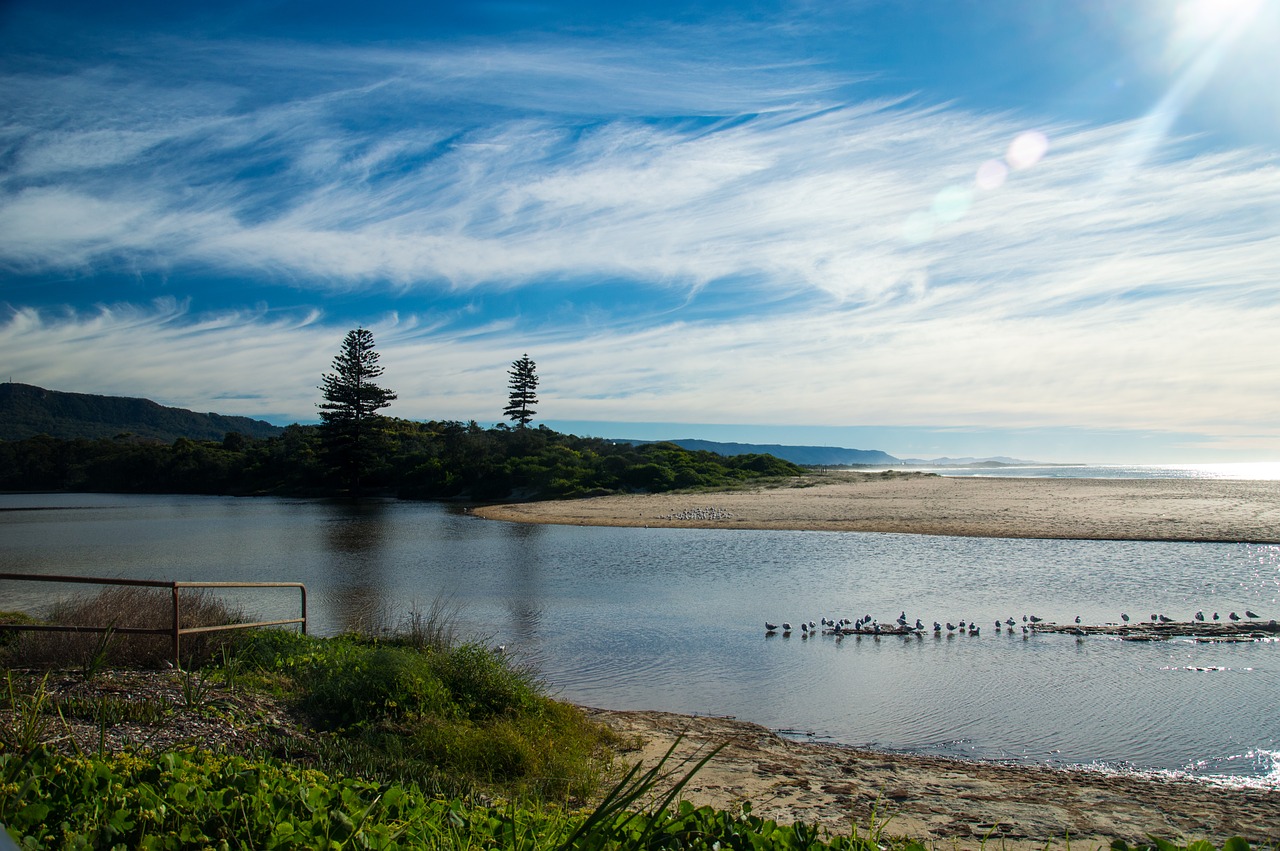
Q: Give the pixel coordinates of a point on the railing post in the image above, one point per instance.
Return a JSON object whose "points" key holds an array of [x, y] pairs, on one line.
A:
{"points": [[303, 589], [177, 660]]}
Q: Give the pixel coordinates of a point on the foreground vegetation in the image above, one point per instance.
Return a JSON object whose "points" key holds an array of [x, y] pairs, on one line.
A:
{"points": [[409, 459], [412, 739]]}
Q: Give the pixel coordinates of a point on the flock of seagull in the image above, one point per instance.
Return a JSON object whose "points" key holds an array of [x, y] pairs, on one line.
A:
{"points": [[866, 625]]}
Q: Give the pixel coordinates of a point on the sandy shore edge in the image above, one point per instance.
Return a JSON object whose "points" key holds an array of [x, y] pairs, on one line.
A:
{"points": [[946, 803], [950, 804], [1210, 510]]}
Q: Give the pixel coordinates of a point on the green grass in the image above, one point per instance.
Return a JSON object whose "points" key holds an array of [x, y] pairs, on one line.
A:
{"points": [[458, 717]]}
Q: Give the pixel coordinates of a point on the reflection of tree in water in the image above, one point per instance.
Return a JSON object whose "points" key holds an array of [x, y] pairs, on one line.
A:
{"points": [[356, 536], [524, 585]]}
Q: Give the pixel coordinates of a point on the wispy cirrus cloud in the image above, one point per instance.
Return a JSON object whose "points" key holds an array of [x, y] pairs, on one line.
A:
{"points": [[780, 235]]}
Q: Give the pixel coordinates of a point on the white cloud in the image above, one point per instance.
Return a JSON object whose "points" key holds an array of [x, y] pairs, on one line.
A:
{"points": [[1061, 296]]}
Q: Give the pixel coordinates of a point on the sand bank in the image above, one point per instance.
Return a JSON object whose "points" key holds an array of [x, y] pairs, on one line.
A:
{"points": [[1101, 509], [951, 804]]}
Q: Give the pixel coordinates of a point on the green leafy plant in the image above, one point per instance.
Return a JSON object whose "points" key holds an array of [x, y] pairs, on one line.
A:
{"points": [[194, 688], [28, 722], [96, 659]]}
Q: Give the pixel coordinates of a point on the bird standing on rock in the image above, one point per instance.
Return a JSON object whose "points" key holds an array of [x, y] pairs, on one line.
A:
{"points": [[1234, 616], [1251, 614], [1199, 616]]}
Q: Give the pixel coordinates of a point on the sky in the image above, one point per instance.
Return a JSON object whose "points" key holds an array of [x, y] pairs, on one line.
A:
{"points": [[931, 227]]}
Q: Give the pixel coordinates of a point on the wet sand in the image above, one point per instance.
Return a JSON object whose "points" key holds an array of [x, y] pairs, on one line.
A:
{"points": [[1098, 509], [947, 804]]}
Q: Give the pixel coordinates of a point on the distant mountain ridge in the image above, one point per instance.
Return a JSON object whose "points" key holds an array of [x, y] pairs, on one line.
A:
{"points": [[27, 411], [817, 456]]}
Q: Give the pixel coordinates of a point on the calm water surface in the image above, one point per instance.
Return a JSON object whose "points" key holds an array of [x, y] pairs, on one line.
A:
{"points": [[673, 618]]}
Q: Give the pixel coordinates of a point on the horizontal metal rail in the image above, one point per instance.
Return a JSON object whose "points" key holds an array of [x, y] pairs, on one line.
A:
{"points": [[176, 631]]}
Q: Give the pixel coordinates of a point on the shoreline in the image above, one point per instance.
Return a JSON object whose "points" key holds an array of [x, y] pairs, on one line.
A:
{"points": [[1185, 510], [945, 801]]}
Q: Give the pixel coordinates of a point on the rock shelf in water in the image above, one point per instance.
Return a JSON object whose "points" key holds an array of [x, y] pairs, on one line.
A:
{"points": [[1149, 631], [1143, 631]]}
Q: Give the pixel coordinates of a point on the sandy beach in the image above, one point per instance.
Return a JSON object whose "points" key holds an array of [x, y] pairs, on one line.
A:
{"points": [[1100, 509], [949, 804]]}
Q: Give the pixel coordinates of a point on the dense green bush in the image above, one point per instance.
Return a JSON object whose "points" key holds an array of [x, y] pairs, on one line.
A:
{"points": [[414, 460], [449, 715]]}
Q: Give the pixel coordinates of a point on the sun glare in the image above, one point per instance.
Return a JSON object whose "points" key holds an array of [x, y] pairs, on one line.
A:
{"points": [[1199, 23], [1206, 19]]}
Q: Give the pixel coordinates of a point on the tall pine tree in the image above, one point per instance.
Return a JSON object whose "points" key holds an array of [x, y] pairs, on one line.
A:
{"points": [[349, 415], [524, 380]]}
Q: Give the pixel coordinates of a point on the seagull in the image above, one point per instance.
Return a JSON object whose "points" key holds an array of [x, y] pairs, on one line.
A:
{"points": [[804, 627], [1199, 616], [1035, 619], [1124, 616], [997, 626], [810, 626], [1234, 616], [1155, 618], [919, 626], [786, 627], [1215, 616], [770, 626], [1251, 614], [1011, 622], [951, 627], [937, 627], [1166, 619], [962, 624], [1077, 619]]}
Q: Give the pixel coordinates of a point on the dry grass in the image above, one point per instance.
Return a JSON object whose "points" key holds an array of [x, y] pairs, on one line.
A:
{"points": [[138, 608]]}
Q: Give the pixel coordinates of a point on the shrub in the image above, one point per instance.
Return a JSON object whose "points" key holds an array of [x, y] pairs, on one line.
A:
{"points": [[116, 607], [376, 684], [483, 683]]}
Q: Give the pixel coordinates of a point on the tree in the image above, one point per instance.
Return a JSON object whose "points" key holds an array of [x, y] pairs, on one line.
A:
{"points": [[524, 380], [349, 415]]}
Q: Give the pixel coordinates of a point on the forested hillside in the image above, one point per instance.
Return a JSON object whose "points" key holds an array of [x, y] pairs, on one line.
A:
{"points": [[410, 459], [27, 411]]}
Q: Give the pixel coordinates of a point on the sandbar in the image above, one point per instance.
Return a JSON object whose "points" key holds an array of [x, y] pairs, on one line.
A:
{"points": [[1211, 510]]}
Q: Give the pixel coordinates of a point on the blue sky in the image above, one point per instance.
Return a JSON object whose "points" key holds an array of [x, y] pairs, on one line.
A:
{"points": [[1041, 229]]}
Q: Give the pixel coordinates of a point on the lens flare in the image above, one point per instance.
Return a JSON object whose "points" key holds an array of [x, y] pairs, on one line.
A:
{"points": [[952, 203], [991, 175], [1026, 149]]}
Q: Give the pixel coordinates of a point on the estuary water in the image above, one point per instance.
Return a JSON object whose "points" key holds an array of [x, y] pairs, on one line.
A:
{"points": [[673, 619]]}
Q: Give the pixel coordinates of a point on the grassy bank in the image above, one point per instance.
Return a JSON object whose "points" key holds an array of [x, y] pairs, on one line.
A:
{"points": [[413, 739]]}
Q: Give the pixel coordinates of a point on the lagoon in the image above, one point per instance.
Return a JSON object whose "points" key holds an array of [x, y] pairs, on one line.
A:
{"points": [[673, 618]]}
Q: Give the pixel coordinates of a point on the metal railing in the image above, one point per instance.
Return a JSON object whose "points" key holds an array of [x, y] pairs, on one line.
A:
{"points": [[176, 631]]}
